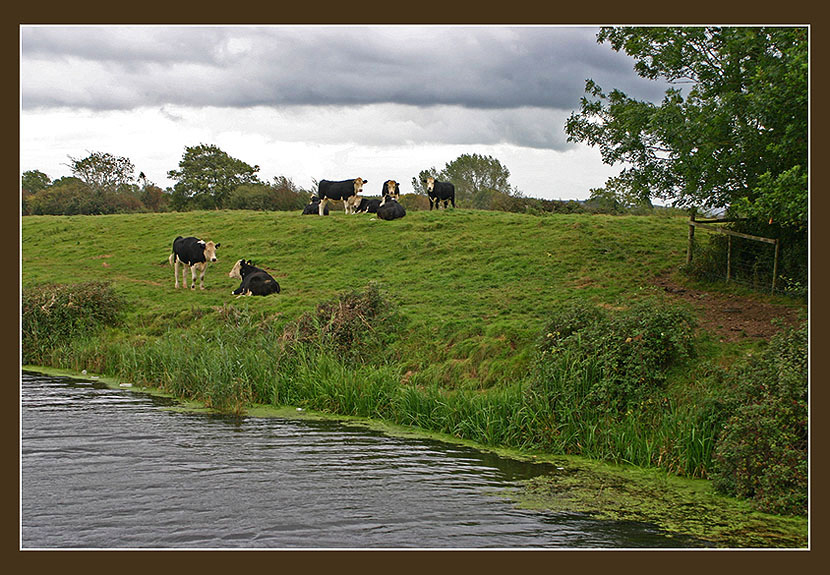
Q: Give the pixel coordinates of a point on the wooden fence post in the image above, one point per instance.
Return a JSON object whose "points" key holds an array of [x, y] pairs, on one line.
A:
{"points": [[691, 238], [775, 264]]}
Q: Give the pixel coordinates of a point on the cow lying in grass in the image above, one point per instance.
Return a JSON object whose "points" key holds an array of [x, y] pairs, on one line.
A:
{"points": [[366, 205], [390, 209], [195, 254], [313, 207], [255, 281]]}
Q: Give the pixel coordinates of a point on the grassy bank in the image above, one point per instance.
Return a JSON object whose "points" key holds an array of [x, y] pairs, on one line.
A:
{"points": [[461, 322]]}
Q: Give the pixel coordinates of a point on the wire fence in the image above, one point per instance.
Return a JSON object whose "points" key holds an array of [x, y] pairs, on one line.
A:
{"points": [[718, 253]]}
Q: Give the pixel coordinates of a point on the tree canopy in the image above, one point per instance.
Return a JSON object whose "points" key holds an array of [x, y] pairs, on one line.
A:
{"points": [[208, 176], [103, 172], [732, 131], [476, 178]]}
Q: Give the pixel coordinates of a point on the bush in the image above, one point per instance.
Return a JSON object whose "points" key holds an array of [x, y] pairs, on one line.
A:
{"points": [[761, 453], [355, 325], [53, 315], [265, 198], [611, 361]]}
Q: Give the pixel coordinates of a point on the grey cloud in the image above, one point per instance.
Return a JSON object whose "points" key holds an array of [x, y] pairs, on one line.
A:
{"points": [[470, 67]]}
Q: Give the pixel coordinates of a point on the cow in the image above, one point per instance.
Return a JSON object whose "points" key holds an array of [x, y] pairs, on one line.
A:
{"points": [[366, 205], [192, 253], [313, 207], [392, 188], [255, 281], [342, 190], [439, 192], [390, 209]]}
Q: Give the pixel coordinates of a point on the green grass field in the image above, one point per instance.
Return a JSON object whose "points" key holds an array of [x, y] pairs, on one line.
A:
{"points": [[476, 286]]}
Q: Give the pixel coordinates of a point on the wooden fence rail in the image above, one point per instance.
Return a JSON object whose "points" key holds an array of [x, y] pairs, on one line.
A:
{"points": [[706, 224]]}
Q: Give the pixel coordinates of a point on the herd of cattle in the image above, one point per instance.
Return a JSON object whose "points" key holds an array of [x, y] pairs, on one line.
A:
{"points": [[195, 254]]}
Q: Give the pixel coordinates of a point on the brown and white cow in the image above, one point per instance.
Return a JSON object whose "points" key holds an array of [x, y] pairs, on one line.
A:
{"points": [[195, 254]]}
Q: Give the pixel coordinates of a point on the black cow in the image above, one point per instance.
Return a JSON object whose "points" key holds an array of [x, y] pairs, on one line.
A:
{"points": [[195, 254], [439, 192], [390, 209], [255, 281], [313, 207], [366, 205], [342, 190], [392, 188]]}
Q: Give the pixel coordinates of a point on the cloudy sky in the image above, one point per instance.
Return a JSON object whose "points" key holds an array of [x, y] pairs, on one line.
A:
{"points": [[322, 102]]}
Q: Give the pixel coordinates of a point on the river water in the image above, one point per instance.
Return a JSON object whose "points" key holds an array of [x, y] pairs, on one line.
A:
{"points": [[110, 469]]}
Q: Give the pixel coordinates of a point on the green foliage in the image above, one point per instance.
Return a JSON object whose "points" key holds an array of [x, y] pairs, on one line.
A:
{"points": [[613, 360], [53, 315], [761, 453], [34, 180], [356, 326], [207, 176], [736, 137], [103, 172], [261, 196]]}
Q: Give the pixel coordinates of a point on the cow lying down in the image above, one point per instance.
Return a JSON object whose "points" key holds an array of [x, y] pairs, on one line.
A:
{"points": [[255, 281], [390, 209]]}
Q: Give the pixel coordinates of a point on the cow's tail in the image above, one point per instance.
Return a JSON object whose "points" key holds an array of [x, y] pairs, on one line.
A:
{"points": [[171, 258]]}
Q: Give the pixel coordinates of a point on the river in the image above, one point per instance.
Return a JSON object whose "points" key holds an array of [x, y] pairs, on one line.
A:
{"points": [[112, 469]]}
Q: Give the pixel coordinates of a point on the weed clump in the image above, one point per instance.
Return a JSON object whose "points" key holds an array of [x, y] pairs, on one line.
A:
{"points": [[356, 325], [54, 315]]}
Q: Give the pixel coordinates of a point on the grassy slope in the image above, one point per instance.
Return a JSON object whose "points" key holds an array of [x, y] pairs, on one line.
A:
{"points": [[476, 285]]}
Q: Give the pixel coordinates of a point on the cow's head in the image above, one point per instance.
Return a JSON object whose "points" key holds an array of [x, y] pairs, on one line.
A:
{"points": [[236, 272], [358, 185], [430, 182], [392, 188], [354, 201], [210, 251]]}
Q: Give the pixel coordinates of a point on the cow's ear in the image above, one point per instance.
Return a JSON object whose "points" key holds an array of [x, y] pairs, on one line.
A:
{"points": [[217, 245]]}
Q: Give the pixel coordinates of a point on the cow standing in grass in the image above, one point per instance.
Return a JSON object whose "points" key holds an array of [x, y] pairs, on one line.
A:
{"points": [[439, 192], [255, 281], [342, 190], [195, 254]]}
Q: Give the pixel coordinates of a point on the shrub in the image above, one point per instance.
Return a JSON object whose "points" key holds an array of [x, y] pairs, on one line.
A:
{"points": [[761, 453], [52, 315], [611, 360], [355, 325]]}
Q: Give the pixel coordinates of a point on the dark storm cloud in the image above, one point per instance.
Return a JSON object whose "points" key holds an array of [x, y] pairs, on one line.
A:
{"points": [[109, 68]]}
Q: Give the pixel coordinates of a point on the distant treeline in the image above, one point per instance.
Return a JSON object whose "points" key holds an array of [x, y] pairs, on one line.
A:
{"points": [[72, 196]]}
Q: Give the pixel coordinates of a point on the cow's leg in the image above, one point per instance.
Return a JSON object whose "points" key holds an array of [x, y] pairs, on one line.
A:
{"points": [[202, 269], [176, 271], [322, 205]]}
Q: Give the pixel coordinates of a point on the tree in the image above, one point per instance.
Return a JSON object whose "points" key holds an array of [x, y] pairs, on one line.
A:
{"points": [[103, 173], [33, 181], [207, 176], [477, 179], [734, 137]]}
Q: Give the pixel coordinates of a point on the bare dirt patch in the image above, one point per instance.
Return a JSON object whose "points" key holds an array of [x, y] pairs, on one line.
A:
{"points": [[732, 317]]}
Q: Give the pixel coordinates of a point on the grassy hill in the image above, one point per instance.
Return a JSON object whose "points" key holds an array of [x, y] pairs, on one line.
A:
{"points": [[475, 286], [554, 334]]}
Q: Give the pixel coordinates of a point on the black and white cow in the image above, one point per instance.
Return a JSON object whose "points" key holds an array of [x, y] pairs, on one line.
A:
{"points": [[439, 192], [392, 188], [390, 209], [313, 207], [195, 254], [342, 190], [366, 205], [255, 281]]}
